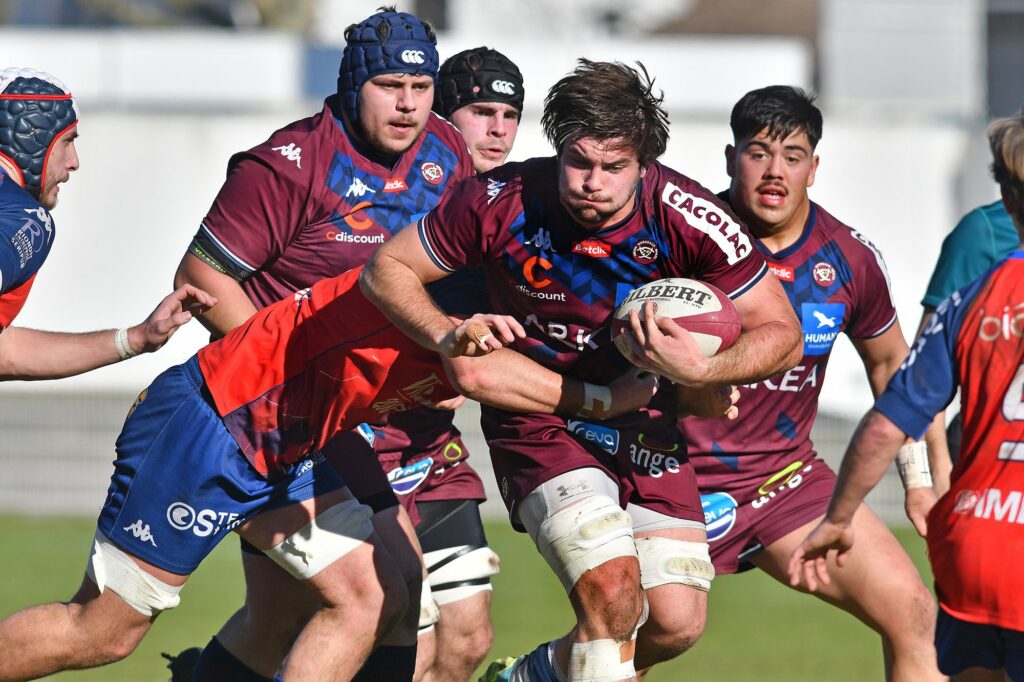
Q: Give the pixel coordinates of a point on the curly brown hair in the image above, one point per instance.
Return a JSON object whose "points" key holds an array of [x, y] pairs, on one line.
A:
{"points": [[607, 101]]}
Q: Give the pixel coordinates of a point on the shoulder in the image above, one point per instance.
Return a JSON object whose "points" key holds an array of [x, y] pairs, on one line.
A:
{"points": [[295, 149], [852, 242], [18, 208], [693, 202], [439, 133]]}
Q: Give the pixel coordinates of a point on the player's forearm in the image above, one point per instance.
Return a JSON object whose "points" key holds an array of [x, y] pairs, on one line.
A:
{"points": [[399, 293], [30, 354], [511, 381], [871, 451], [765, 351], [939, 460], [233, 305]]}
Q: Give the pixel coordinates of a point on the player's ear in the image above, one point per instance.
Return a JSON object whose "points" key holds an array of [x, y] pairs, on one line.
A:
{"points": [[643, 171], [814, 170], [730, 160]]}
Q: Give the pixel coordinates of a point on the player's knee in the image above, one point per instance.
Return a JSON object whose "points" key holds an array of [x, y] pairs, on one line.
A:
{"points": [[610, 595], [116, 645], [679, 634]]}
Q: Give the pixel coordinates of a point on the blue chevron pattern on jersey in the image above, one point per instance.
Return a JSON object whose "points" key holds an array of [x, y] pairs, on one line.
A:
{"points": [[786, 426], [391, 210], [804, 289]]}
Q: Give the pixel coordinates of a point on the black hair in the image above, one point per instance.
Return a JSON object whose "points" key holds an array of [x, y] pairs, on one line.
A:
{"points": [[780, 110]]}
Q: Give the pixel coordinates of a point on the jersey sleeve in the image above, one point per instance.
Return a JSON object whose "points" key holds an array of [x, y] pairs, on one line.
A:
{"points": [[873, 309], [259, 210], [927, 380], [12, 301], [707, 238], [967, 252], [458, 232]]}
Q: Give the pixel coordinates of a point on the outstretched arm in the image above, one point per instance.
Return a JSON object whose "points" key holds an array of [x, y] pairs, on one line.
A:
{"points": [[32, 354], [869, 454]]}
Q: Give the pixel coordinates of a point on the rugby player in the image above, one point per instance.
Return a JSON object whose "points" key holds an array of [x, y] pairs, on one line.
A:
{"points": [[229, 441], [317, 198], [38, 129], [975, 536], [762, 484], [611, 506], [983, 237], [480, 91]]}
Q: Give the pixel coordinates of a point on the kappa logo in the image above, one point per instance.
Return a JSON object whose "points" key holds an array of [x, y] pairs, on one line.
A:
{"points": [[542, 240], [358, 188], [494, 188], [503, 87], [290, 152], [42, 216], [141, 532], [395, 185], [412, 56]]}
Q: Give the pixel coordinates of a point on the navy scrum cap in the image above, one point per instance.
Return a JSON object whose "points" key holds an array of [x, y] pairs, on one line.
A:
{"points": [[387, 42], [35, 109], [477, 75]]}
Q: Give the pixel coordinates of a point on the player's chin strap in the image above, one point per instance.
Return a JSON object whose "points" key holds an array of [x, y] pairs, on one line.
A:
{"points": [[912, 463]]}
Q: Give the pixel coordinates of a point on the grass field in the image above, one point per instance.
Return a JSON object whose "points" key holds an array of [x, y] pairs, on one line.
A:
{"points": [[757, 629]]}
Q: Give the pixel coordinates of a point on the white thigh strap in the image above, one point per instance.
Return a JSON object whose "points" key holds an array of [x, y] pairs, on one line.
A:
{"points": [[109, 567], [663, 560], [331, 535]]}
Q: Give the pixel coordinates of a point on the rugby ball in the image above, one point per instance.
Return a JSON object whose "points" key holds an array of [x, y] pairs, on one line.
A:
{"points": [[696, 306]]}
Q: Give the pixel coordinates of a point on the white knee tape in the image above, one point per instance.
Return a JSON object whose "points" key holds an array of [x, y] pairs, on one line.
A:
{"points": [[109, 567], [582, 536], [599, 660], [429, 612], [460, 572], [663, 560], [331, 535]]}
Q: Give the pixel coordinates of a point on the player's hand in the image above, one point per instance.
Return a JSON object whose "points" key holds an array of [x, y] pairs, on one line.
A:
{"points": [[709, 401], [176, 309], [658, 344], [809, 561], [917, 503], [630, 392], [450, 404], [481, 334]]}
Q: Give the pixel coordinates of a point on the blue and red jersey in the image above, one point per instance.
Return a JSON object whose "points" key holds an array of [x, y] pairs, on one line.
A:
{"points": [[975, 530], [837, 282], [301, 370], [26, 235]]}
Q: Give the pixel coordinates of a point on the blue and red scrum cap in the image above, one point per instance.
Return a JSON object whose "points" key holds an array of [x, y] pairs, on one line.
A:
{"points": [[35, 109], [387, 42]]}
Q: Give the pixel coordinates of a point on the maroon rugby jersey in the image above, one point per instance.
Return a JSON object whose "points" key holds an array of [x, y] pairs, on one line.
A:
{"points": [[308, 204], [837, 282], [562, 281]]}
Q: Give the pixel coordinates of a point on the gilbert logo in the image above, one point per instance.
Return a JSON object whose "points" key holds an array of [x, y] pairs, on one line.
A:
{"points": [[290, 152], [395, 185], [503, 87], [592, 248], [412, 56]]}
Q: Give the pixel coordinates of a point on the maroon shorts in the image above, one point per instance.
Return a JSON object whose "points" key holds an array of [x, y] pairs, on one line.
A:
{"points": [[418, 457], [647, 459], [745, 517]]}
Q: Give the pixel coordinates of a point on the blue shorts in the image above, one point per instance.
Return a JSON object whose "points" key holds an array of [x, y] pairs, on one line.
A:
{"points": [[180, 483], [961, 645]]}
